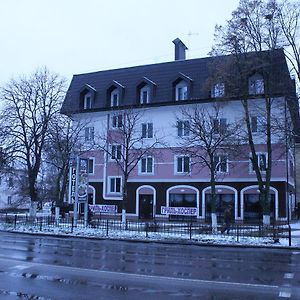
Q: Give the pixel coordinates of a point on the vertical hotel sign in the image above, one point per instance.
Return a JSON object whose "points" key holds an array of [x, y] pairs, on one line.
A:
{"points": [[82, 182], [72, 184]]}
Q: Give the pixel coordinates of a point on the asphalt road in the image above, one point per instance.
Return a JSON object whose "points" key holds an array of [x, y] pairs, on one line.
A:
{"points": [[35, 267]]}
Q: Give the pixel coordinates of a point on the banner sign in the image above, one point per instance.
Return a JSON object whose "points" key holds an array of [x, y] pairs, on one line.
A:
{"points": [[179, 211], [72, 187], [106, 209]]}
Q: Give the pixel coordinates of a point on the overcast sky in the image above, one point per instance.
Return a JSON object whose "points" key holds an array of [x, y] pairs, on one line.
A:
{"points": [[79, 36]]}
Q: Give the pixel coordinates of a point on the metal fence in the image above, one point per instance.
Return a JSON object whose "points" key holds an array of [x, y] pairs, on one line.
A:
{"points": [[188, 230]]}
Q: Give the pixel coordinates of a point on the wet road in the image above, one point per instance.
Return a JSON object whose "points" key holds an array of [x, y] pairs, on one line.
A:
{"points": [[34, 267]]}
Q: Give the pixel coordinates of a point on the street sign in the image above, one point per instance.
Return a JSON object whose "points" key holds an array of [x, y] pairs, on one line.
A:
{"points": [[104, 209], [179, 211]]}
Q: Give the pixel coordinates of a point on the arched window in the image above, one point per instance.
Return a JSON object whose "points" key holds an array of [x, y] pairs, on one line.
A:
{"points": [[87, 97], [114, 98], [87, 101], [145, 94], [181, 91]]}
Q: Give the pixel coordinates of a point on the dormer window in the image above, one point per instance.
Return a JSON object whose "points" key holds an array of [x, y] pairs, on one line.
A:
{"points": [[218, 90], [87, 97], [145, 95], [256, 85], [87, 101], [114, 98], [181, 91]]}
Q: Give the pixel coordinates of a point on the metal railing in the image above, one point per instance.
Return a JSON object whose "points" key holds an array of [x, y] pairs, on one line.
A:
{"points": [[188, 230]]}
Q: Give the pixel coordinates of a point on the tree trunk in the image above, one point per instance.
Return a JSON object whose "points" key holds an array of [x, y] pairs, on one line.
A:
{"points": [[214, 221], [124, 202], [32, 209]]}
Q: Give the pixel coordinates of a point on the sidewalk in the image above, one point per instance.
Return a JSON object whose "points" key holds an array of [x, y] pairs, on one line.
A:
{"points": [[295, 226]]}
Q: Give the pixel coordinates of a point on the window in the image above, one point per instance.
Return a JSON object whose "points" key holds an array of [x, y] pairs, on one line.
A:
{"points": [[10, 182], [117, 121], [116, 152], [221, 164], [87, 101], [145, 94], [114, 98], [219, 125], [262, 162], [147, 130], [218, 90], [291, 167], [89, 134], [181, 91], [9, 200], [182, 164], [257, 124], [114, 184], [256, 85], [146, 165], [183, 128], [91, 166]]}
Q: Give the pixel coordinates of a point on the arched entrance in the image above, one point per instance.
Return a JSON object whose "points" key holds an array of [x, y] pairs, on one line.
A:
{"points": [[251, 209], [225, 196], [145, 202], [182, 196]]}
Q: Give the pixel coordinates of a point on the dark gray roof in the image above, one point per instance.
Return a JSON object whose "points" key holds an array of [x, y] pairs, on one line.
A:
{"points": [[196, 71]]}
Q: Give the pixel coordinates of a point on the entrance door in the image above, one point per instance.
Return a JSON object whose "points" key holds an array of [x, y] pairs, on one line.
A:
{"points": [[146, 206]]}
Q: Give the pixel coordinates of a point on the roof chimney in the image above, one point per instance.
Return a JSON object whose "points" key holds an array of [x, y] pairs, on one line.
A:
{"points": [[180, 48]]}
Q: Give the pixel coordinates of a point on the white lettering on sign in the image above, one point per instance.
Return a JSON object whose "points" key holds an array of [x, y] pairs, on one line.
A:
{"points": [[100, 208], [179, 211], [73, 184]]}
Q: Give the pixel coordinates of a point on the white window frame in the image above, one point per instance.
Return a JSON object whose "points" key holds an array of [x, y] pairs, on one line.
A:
{"points": [[177, 157], [93, 165], [183, 128], [218, 90], [146, 158], [146, 129], [9, 200], [87, 101], [114, 152], [115, 121], [219, 164], [258, 159], [89, 134], [114, 191], [181, 91], [258, 125], [114, 93], [143, 90], [218, 124]]}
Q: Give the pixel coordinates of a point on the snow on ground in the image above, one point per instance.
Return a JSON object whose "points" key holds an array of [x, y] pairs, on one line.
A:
{"points": [[201, 239]]}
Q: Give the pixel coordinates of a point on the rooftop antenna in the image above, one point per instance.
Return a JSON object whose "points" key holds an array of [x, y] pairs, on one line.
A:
{"points": [[190, 34]]}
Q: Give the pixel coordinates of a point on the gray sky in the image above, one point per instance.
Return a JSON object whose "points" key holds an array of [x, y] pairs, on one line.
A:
{"points": [[78, 36]]}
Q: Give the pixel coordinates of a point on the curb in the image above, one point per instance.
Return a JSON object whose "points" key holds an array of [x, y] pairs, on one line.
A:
{"points": [[165, 242]]}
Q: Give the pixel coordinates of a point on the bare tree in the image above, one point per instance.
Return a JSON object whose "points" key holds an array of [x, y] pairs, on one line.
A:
{"points": [[255, 26], [30, 104], [289, 20], [127, 144], [62, 141], [210, 141]]}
